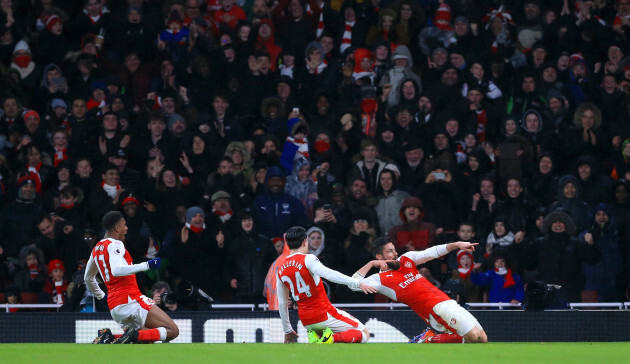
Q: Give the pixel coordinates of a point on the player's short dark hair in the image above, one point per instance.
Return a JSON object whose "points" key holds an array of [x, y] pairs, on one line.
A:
{"points": [[111, 219], [377, 246], [295, 236]]}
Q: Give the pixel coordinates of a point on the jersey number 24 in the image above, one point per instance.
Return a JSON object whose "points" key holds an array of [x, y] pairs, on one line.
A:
{"points": [[302, 287]]}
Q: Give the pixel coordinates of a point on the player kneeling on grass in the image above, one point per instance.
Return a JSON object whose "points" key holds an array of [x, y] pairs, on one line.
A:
{"points": [[300, 274], [134, 312], [400, 280]]}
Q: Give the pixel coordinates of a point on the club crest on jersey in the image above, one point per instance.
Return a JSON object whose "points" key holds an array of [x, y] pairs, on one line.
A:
{"points": [[285, 208], [453, 322], [117, 251], [407, 264]]}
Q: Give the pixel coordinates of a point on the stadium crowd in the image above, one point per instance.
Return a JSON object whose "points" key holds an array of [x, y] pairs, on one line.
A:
{"points": [[214, 126]]}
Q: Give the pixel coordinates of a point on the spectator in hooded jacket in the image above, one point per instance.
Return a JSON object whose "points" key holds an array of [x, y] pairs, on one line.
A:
{"points": [[557, 256], [249, 256], [603, 276], [402, 70], [390, 199], [413, 233], [569, 199]]}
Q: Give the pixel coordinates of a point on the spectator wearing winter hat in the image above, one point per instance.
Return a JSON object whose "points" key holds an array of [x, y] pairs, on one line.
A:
{"points": [[390, 198], [392, 80], [276, 210], [199, 255], [56, 286], [602, 276], [315, 75], [363, 65], [30, 72], [17, 218], [413, 233], [129, 178], [266, 40], [54, 42], [31, 275], [557, 256], [221, 213], [557, 109], [176, 124], [250, 254], [462, 262], [53, 85], [33, 132]]}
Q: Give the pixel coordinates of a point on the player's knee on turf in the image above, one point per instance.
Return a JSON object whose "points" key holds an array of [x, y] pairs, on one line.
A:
{"points": [[476, 335], [172, 331], [366, 335]]}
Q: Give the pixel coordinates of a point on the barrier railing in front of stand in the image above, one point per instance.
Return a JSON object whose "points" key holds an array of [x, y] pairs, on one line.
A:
{"points": [[390, 306], [481, 305]]}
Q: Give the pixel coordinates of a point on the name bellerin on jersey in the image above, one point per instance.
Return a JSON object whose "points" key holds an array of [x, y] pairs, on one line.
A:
{"points": [[290, 263]]}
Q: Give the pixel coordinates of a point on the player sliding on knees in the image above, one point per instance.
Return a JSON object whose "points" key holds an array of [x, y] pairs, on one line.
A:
{"points": [[400, 280], [300, 274], [134, 312]]}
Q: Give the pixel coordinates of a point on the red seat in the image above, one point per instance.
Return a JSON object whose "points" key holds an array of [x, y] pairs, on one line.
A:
{"points": [[30, 297]]}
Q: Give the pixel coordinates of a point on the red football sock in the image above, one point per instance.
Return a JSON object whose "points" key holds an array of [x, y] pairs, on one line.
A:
{"points": [[446, 339], [149, 335], [349, 336], [116, 336]]}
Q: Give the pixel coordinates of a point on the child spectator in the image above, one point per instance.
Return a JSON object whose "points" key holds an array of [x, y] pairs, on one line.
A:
{"points": [[500, 236], [57, 285], [300, 184], [504, 285], [31, 275]]}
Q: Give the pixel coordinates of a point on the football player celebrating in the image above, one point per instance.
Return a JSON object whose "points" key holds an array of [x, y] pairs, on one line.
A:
{"points": [[300, 274], [401, 281], [134, 312]]}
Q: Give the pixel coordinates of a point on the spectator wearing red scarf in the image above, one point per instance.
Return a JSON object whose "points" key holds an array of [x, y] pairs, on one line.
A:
{"points": [[504, 285]]}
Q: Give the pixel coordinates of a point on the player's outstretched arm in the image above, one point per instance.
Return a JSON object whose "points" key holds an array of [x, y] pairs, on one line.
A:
{"points": [[439, 251], [317, 268], [463, 245], [119, 265]]}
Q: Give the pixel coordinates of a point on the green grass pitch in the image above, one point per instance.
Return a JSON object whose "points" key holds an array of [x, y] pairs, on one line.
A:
{"points": [[322, 354]]}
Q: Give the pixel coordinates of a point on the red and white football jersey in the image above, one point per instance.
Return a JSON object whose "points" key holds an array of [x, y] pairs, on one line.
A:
{"points": [[307, 290], [122, 289], [406, 285], [299, 275]]}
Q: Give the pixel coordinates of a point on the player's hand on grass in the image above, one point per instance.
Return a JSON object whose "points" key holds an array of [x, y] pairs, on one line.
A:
{"points": [[154, 263], [290, 338], [367, 289]]}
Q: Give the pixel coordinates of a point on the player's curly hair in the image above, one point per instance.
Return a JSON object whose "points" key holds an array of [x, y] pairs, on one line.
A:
{"points": [[295, 236]]}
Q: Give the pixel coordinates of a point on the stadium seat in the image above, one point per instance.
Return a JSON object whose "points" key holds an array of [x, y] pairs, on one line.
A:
{"points": [[2, 298], [30, 297], [589, 296]]}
